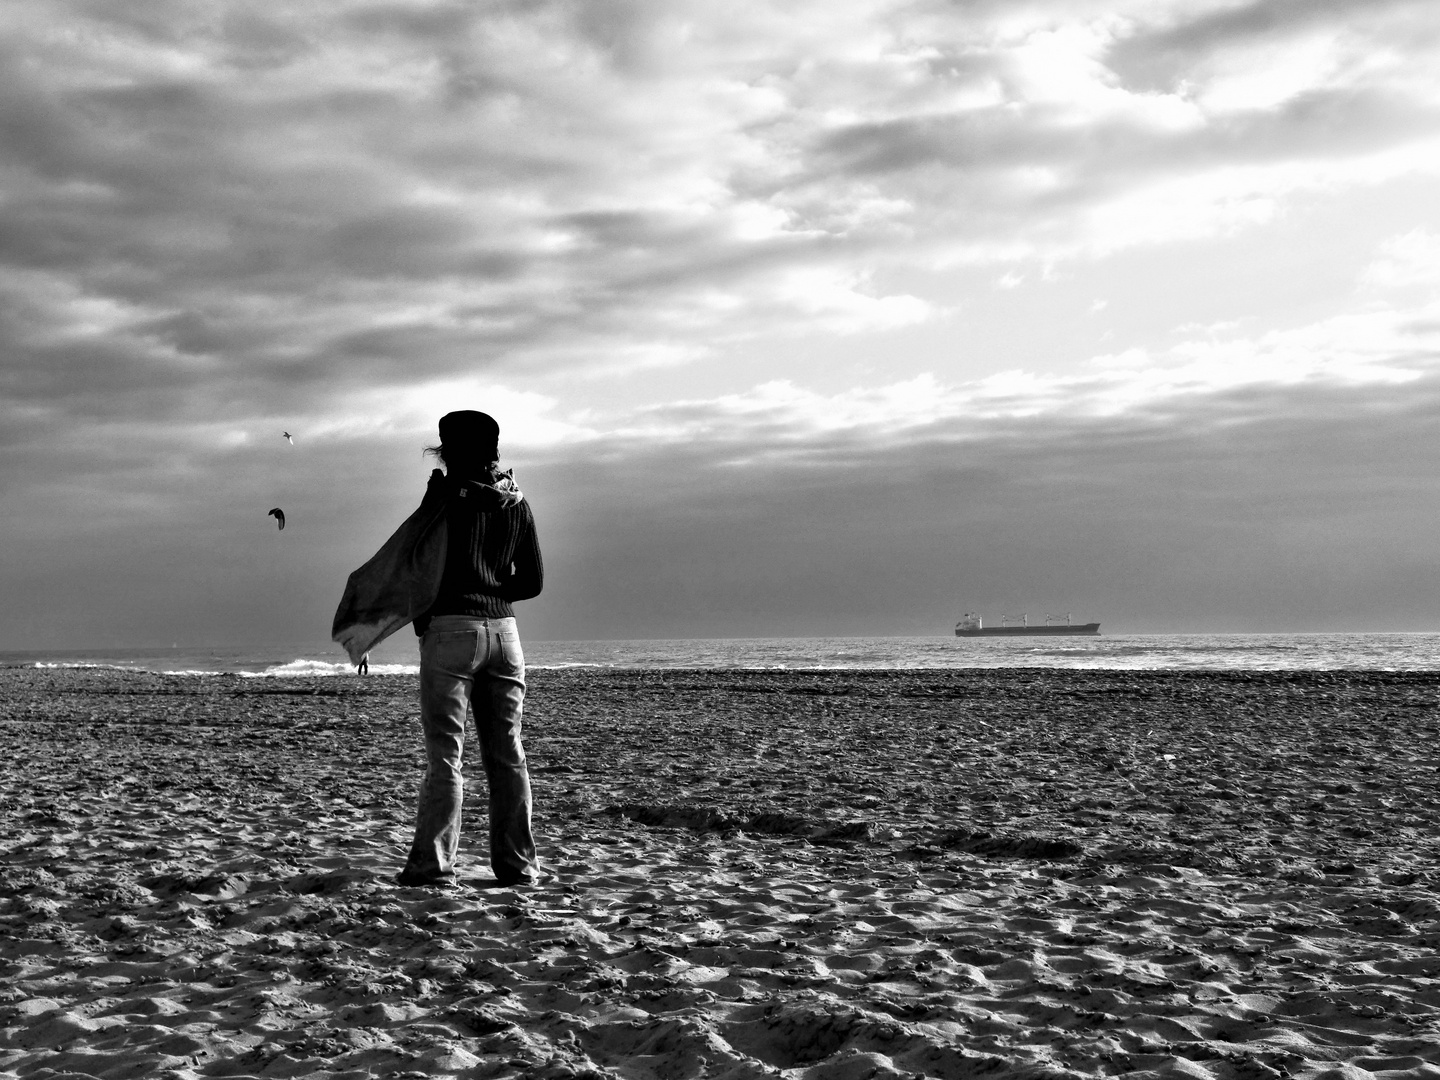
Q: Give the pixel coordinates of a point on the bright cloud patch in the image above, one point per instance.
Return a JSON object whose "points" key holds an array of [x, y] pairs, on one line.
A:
{"points": [[843, 306], [527, 419], [1408, 261], [1378, 349]]}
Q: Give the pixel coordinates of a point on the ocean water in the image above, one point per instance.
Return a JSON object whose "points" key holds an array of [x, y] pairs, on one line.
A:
{"points": [[1224, 652]]}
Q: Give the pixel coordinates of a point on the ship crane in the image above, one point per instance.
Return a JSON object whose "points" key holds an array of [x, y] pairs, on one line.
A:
{"points": [[1024, 619], [1048, 617]]}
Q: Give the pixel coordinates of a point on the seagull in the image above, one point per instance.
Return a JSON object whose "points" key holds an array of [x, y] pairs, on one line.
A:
{"points": [[289, 438], [278, 515]]}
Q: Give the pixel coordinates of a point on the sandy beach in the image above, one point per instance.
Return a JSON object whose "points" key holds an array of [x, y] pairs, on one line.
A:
{"points": [[834, 874]]}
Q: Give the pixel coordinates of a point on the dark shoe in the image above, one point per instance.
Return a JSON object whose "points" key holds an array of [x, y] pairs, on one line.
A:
{"points": [[527, 882], [415, 881]]}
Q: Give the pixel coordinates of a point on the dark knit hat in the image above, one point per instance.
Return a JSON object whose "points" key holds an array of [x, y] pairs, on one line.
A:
{"points": [[469, 434]]}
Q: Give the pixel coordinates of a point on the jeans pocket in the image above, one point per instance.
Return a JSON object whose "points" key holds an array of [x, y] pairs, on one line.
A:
{"points": [[510, 651], [451, 650]]}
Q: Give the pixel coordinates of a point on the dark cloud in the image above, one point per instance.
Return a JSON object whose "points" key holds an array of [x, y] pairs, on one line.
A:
{"points": [[985, 152], [1193, 33], [1335, 122]]}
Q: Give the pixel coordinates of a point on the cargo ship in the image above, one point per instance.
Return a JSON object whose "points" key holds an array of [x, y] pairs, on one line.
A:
{"points": [[973, 626]]}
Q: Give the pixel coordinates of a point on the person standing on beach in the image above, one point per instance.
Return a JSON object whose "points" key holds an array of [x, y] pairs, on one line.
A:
{"points": [[471, 662]]}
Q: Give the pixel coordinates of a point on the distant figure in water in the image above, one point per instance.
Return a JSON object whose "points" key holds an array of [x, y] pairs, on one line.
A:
{"points": [[278, 515], [471, 662], [364, 665]]}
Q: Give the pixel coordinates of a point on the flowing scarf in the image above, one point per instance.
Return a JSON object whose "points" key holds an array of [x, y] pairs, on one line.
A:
{"points": [[400, 581]]}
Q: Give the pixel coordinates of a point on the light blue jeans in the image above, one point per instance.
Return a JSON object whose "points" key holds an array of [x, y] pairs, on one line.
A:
{"points": [[472, 666]]}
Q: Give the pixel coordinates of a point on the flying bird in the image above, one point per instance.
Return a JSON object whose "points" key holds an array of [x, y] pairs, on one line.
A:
{"points": [[278, 515], [289, 438]]}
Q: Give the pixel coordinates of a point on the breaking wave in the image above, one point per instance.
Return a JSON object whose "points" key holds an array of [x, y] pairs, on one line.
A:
{"points": [[309, 669]]}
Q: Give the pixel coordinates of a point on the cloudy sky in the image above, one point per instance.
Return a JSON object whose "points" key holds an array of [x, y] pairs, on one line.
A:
{"points": [[832, 317]]}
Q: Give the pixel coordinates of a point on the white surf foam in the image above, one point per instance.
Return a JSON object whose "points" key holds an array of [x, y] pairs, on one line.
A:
{"points": [[312, 668]]}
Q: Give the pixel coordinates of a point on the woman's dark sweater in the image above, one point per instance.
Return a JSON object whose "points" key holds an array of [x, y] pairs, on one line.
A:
{"points": [[492, 556]]}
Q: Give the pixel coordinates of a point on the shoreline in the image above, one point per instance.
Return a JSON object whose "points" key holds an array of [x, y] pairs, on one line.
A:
{"points": [[822, 873], [1415, 651]]}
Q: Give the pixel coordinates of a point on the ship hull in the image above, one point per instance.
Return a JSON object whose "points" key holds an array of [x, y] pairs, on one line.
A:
{"points": [[1091, 629]]}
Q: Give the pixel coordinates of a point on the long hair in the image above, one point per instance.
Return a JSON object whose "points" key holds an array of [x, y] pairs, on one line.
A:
{"points": [[455, 458]]}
